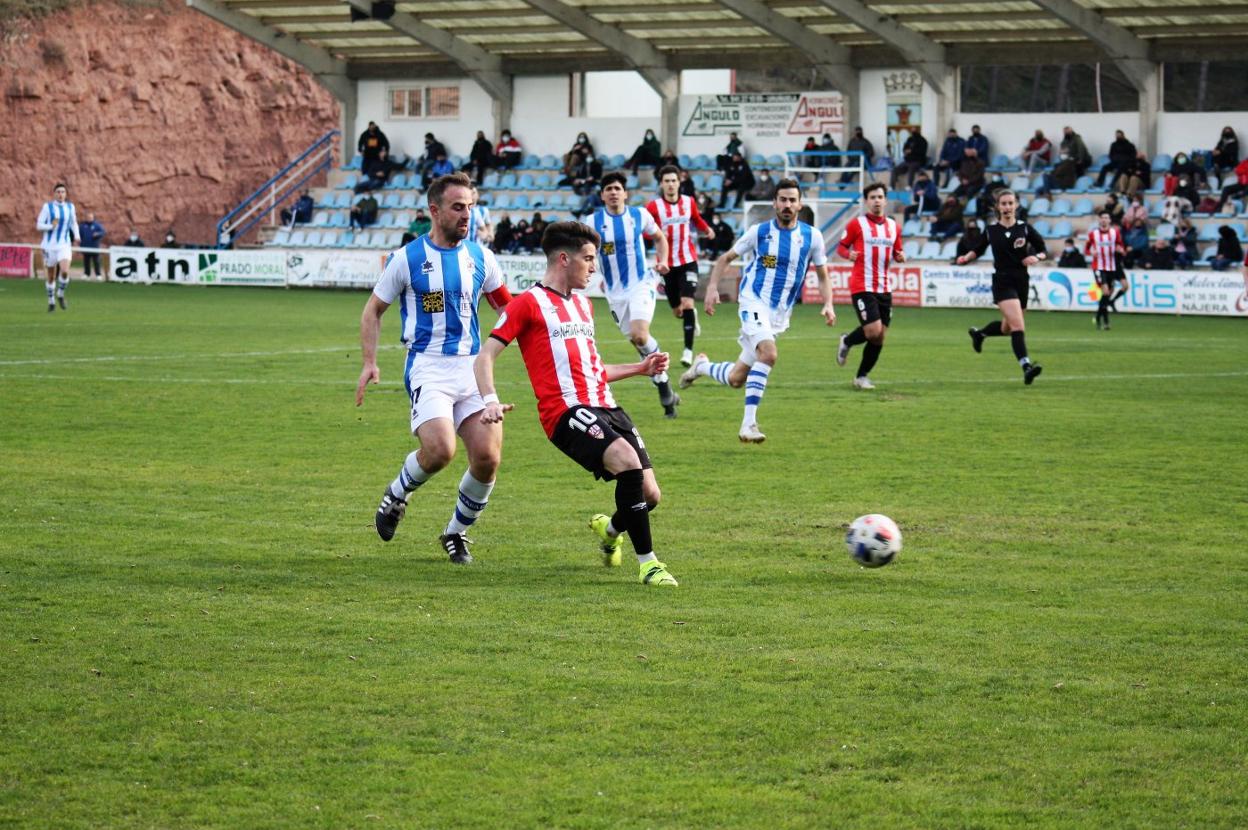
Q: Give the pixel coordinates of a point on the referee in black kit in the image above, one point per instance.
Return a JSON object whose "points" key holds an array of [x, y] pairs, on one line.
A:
{"points": [[1015, 245]]}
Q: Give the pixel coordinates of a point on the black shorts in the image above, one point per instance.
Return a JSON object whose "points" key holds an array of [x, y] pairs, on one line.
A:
{"points": [[681, 281], [870, 306], [1011, 287], [584, 433], [1106, 279]]}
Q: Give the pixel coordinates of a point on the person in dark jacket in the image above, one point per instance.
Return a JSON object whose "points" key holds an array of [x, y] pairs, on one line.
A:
{"points": [[924, 196], [1230, 252], [738, 179], [1121, 156], [725, 158], [1071, 256], [970, 238], [372, 142], [134, 240], [978, 142], [913, 158], [1073, 148], [302, 212], [90, 233], [858, 144], [951, 154], [647, 153], [970, 174], [1160, 256], [1226, 154], [481, 159], [948, 219], [374, 175]]}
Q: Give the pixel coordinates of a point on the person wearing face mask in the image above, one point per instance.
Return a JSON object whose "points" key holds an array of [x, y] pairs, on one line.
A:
{"points": [[1226, 153], [647, 153], [581, 147], [171, 241], [134, 240], [509, 151], [764, 189], [1071, 257]]}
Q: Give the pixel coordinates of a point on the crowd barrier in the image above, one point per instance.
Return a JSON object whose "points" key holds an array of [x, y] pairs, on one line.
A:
{"points": [[1207, 293]]}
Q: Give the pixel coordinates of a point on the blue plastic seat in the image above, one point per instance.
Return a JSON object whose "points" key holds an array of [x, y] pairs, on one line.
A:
{"points": [[321, 218], [1020, 184], [1081, 185], [1061, 207], [544, 182], [502, 202], [282, 237], [1062, 229], [532, 161], [775, 162], [931, 250], [1000, 162], [525, 182], [1042, 228], [298, 238], [521, 202], [703, 162], [1162, 162], [348, 182], [1082, 207], [950, 249], [1208, 232], [507, 182], [910, 248], [1040, 207], [910, 228], [549, 162], [617, 160], [491, 180], [757, 160]]}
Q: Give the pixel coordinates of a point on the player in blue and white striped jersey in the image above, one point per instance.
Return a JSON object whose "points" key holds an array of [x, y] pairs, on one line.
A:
{"points": [[480, 227], [627, 281], [438, 279], [59, 222], [777, 255]]}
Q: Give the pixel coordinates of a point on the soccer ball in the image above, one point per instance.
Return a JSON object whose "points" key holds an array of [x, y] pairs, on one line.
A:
{"points": [[873, 540]]}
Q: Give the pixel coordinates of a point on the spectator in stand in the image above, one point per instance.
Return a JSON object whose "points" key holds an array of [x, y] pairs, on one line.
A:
{"points": [[1184, 168], [90, 234], [647, 153], [588, 183], [302, 213], [715, 246], [1038, 150], [374, 175], [1174, 208], [504, 235], [829, 146], [364, 213], [913, 158], [1071, 256], [441, 167], [592, 200], [1238, 188], [1186, 190], [970, 174], [948, 220], [858, 144], [669, 157], [373, 142], [171, 240], [738, 180], [520, 238], [579, 147], [1136, 178], [1114, 208], [134, 240], [1136, 214], [433, 149], [1160, 256], [764, 189], [807, 159], [978, 142], [1073, 148], [952, 152], [508, 152], [1121, 156], [421, 224], [687, 187], [481, 159], [724, 159], [924, 198], [1230, 252], [1184, 243], [1136, 242], [706, 204], [970, 238], [1226, 153]]}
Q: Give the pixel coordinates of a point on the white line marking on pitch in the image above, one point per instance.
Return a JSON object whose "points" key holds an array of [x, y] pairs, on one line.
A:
{"points": [[143, 358]]}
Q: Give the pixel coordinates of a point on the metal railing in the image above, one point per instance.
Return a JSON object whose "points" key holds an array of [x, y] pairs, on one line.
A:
{"points": [[274, 193]]}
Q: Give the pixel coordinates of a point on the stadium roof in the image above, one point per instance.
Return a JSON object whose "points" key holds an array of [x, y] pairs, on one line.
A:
{"points": [[526, 37]]}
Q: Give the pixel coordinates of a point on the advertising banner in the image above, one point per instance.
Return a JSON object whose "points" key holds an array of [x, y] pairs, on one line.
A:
{"points": [[907, 285], [948, 286], [259, 268], [524, 272], [768, 123], [153, 265], [15, 261], [333, 269]]}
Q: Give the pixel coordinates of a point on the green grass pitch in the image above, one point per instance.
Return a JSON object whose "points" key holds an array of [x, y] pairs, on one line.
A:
{"points": [[200, 628]]}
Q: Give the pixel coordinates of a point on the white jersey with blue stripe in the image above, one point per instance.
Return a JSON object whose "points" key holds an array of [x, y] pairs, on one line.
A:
{"points": [[478, 216], [775, 261], [59, 223], [438, 290], [623, 253]]}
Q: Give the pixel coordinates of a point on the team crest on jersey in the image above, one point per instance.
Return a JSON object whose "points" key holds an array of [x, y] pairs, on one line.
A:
{"points": [[594, 431], [608, 248], [427, 266], [432, 302], [1020, 242], [769, 260]]}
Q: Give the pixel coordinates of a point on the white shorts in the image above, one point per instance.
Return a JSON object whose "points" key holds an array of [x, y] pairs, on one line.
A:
{"points": [[633, 303], [442, 386], [52, 254], [759, 323]]}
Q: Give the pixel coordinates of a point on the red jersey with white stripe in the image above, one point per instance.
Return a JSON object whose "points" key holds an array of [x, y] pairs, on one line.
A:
{"points": [[877, 241], [1103, 247], [675, 219], [556, 335]]}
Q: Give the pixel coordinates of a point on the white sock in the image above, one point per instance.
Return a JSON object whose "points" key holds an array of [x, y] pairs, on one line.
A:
{"points": [[755, 386], [61, 284], [51, 295], [473, 497], [651, 346], [611, 531], [717, 372], [411, 475], [644, 558]]}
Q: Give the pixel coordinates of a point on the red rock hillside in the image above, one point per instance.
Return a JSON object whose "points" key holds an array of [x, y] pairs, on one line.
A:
{"points": [[156, 116]]}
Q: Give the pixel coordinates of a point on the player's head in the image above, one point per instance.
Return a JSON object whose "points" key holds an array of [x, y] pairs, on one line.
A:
{"points": [[615, 190], [875, 195], [450, 204], [1006, 203], [669, 181], [60, 193], [788, 201], [571, 251], [1104, 218]]}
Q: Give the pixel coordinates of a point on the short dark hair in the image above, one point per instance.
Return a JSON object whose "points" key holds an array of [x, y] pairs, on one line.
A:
{"points": [[60, 185], [441, 183], [669, 168], [1100, 213], [789, 184], [1070, 240], [874, 186], [568, 236], [614, 177]]}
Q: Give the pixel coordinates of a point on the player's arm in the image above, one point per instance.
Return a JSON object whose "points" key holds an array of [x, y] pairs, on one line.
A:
{"points": [[44, 222], [1038, 245], [495, 285], [899, 254], [825, 291], [483, 370], [712, 285], [845, 248], [498, 298], [370, 331], [976, 252], [661, 250], [650, 366], [700, 223], [1089, 245]]}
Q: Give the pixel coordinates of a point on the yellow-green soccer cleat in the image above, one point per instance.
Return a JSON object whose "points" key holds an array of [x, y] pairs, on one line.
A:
{"points": [[655, 573], [610, 547]]}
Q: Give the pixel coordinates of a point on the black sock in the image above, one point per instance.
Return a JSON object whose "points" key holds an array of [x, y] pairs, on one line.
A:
{"points": [[1118, 296], [632, 514], [855, 337], [993, 329], [665, 389], [1102, 308], [688, 317], [870, 354], [1019, 341]]}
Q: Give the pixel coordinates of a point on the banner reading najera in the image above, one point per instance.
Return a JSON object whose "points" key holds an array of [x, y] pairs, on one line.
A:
{"points": [[768, 123], [15, 261]]}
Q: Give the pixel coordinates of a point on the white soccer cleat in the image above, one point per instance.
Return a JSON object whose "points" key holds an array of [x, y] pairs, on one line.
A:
{"points": [[842, 351], [751, 434], [686, 357], [688, 377], [863, 383]]}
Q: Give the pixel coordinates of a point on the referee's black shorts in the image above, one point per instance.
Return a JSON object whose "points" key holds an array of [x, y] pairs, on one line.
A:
{"points": [[1011, 287]]}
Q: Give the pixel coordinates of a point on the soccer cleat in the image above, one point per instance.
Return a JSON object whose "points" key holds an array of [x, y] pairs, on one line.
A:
{"points": [[1098, 323], [842, 351], [863, 382], [655, 573], [687, 379], [388, 515], [456, 546], [61, 300], [51, 308], [1106, 327], [610, 546], [686, 357], [750, 434], [669, 409], [977, 339], [1031, 371]]}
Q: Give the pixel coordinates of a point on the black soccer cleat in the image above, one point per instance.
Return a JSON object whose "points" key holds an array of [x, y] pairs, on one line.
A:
{"points": [[456, 546], [977, 339], [61, 300], [1031, 371], [388, 515], [669, 405]]}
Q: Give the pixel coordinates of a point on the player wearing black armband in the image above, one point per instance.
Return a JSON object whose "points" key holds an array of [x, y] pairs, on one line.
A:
{"points": [[1015, 245]]}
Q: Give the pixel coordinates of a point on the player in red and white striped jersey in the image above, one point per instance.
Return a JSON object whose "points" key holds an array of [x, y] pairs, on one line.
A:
{"points": [[872, 242], [555, 327], [1104, 249], [678, 216]]}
